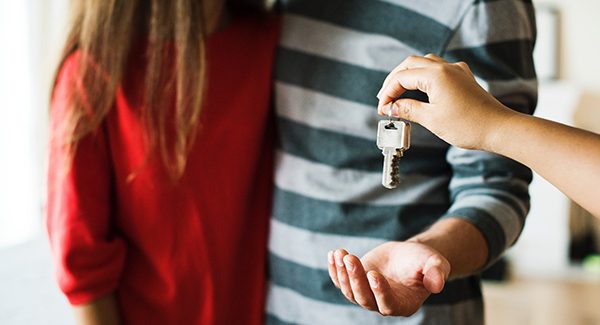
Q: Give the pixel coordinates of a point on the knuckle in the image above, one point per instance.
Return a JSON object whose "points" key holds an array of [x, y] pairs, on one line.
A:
{"points": [[411, 58], [370, 307], [405, 109], [362, 301], [347, 294], [445, 71], [440, 69], [385, 312], [445, 68]]}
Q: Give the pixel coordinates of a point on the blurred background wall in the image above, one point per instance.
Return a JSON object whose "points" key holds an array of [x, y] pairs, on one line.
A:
{"points": [[31, 32], [31, 35]]}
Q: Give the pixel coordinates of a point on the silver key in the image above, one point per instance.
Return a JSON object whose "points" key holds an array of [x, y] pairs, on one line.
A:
{"points": [[393, 138]]}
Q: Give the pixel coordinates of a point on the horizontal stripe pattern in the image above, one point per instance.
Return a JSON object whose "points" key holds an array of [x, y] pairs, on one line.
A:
{"points": [[464, 183], [447, 12], [340, 115], [518, 94], [324, 182], [331, 77], [339, 79], [507, 217], [371, 51], [510, 198], [387, 222], [467, 162], [502, 21], [498, 61], [342, 151], [491, 191], [333, 57], [506, 88], [332, 113], [310, 248], [496, 39], [376, 17], [288, 307]]}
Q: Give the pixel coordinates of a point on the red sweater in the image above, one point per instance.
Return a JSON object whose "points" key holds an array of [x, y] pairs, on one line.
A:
{"points": [[191, 252]]}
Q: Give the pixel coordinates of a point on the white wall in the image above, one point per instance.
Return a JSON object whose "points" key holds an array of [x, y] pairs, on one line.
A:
{"points": [[580, 40], [31, 35]]}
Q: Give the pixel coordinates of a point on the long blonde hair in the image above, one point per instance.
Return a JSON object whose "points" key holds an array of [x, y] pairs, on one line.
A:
{"points": [[102, 32]]}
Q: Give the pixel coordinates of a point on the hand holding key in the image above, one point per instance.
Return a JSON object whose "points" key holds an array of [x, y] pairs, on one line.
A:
{"points": [[459, 110]]}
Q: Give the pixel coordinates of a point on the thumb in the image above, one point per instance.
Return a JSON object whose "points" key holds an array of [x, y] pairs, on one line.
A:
{"points": [[405, 108], [435, 273]]}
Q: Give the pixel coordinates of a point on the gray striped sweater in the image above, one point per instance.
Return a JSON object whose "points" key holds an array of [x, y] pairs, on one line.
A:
{"points": [[333, 57]]}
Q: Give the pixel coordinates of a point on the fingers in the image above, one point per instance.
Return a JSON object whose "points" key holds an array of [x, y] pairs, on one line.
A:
{"points": [[359, 283], [400, 82], [384, 296], [406, 108], [411, 62], [435, 273], [414, 61], [332, 269], [342, 274]]}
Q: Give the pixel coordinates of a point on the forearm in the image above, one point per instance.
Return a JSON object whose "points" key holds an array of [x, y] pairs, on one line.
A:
{"points": [[103, 311], [460, 242], [567, 157]]}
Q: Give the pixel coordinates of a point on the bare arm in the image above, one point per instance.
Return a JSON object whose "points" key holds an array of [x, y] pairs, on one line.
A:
{"points": [[465, 115], [567, 157], [103, 311]]}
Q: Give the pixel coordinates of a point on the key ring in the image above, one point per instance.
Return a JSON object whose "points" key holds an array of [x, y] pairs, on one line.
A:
{"points": [[390, 124]]}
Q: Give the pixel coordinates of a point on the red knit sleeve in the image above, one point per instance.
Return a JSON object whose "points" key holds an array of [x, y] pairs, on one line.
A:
{"points": [[88, 254]]}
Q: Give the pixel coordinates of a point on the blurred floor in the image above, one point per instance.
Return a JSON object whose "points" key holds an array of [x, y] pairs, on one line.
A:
{"points": [[28, 290], [543, 302]]}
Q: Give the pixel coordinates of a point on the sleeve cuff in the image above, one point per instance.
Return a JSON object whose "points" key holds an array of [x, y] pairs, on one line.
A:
{"points": [[490, 229]]}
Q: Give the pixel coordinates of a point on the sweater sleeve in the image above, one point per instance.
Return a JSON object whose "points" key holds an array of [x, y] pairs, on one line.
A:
{"points": [[496, 39], [87, 253]]}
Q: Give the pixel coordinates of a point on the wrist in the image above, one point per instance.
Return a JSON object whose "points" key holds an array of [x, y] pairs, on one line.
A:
{"points": [[459, 242], [433, 242], [499, 126]]}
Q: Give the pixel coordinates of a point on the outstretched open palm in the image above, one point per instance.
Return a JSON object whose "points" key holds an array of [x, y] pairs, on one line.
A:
{"points": [[394, 278]]}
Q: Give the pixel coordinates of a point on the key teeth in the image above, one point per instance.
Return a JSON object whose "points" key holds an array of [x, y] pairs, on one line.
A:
{"points": [[394, 171]]}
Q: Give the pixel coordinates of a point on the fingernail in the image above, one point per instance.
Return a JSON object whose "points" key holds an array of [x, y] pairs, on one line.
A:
{"points": [[372, 280], [350, 266], [386, 110], [330, 258], [379, 93], [338, 259], [394, 109]]}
